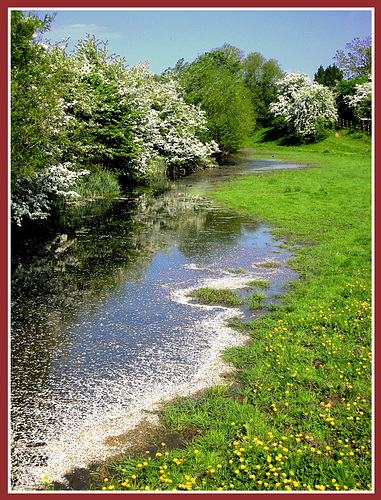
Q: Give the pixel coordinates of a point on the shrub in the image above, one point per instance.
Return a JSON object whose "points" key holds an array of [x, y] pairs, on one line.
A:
{"points": [[307, 108]]}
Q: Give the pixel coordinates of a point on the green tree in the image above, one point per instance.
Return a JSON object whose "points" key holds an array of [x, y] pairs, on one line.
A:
{"points": [[214, 82], [227, 57], [35, 95], [259, 76], [356, 59], [320, 75], [329, 76]]}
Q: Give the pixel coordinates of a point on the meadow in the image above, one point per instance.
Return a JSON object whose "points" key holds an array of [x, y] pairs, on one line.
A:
{"points": [[296, 414]]}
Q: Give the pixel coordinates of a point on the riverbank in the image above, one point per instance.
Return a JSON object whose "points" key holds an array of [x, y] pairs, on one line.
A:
{"points": [[297, 414]]}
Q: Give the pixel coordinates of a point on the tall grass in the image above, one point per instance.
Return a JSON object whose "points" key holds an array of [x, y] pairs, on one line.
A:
{"points": [[99, 183], [297, 413]]}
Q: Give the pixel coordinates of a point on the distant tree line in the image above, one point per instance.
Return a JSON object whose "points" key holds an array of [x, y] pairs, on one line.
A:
{"points": [[87, 111]]}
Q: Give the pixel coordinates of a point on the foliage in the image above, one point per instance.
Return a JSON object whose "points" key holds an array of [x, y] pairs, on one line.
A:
{"points": [[88, 109], [229, 68], [213, 82], [33, 197], [99, 180], [308, 109], [361, 101], [99, 109], [259, 76], [166, 126], [227, 57], [356, 59], [38, 174], [343, 91], [35, 96], [329, 76]]}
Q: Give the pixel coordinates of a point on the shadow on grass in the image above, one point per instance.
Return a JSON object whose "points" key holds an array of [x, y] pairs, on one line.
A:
{"points": [[278, 136]]}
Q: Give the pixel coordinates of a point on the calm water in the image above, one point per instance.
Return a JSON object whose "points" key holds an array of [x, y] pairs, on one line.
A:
{"points": [[101, 322]]}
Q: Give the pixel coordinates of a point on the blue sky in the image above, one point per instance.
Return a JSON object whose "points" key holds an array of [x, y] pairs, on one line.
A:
{"points": [[300, 40]]}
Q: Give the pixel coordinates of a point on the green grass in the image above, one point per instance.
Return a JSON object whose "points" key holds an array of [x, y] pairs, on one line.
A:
{"points": [[258, 284], [297, 413], [228, 298], [255, 301], [268, 265], [213, 296], [99, 183], [237, 271]]}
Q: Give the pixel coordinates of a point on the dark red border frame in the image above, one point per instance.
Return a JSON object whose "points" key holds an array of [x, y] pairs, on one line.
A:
{"points": [[4, 202]]}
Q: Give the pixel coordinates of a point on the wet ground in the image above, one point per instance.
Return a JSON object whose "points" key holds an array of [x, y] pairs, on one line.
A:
{"points": [[102, 324]]}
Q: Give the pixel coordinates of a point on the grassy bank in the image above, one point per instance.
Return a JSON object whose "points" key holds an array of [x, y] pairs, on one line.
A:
{"points": [[100, 182], [297, 415]]}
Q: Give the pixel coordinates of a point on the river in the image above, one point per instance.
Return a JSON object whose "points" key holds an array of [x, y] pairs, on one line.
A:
{"points": [[102, 327]]}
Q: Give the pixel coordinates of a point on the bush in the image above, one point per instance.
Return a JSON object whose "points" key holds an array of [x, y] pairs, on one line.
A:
{"points": [[307, 108]]}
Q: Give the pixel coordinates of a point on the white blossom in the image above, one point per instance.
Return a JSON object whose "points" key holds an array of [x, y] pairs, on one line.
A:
{"points": [[163, 125], [361, 101], [304, 105], [33, 196]]}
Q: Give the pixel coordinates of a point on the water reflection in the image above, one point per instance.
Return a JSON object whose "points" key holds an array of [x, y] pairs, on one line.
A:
{"points": [[95, 326]]}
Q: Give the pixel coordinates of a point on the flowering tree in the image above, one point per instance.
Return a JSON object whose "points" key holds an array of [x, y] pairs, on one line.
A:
{"points": [[93, 119], [165, 126], [308, 109], [34, 196], [38, 122], [361, 101], [93, 111]]}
